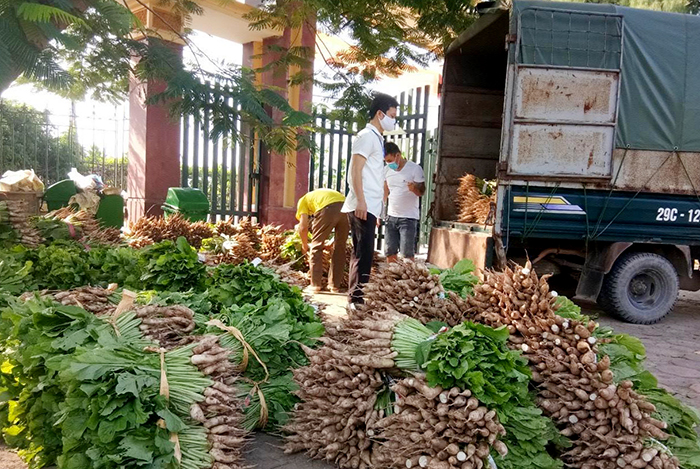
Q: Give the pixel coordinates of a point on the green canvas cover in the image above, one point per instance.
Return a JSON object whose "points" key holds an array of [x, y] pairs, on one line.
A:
{"points": [[659, 105]]}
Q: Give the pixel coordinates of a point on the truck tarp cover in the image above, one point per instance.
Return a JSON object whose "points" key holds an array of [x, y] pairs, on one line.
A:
{"points": [[660, 72]]}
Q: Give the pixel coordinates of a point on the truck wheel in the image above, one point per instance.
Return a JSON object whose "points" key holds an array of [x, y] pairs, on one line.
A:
{"points": [[641, 288]]}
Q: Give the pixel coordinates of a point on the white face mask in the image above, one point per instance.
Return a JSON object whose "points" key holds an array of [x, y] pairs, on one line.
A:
{"points": [[388, 123]]}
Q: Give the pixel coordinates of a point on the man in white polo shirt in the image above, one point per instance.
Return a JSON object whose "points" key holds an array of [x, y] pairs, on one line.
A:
{"points": [[366, 182], [404, 185]]}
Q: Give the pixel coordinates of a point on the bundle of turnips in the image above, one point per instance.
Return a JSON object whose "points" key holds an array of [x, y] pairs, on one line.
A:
{"points": [[150, 230], [410, 288], [609, 424], [334, 420], [437, 429], [371, 369], [474, 205], [97, 300], [18, 213]]}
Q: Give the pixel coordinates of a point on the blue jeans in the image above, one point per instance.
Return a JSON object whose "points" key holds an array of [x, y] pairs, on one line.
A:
{"points": [[401, 234]]}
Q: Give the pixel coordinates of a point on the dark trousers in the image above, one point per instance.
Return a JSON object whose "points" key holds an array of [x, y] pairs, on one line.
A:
{"points": [[362, 232]]}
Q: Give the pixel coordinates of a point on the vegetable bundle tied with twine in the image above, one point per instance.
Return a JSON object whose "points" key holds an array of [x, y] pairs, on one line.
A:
{"points": [[426, 427], [610, 425], [412, 289]]}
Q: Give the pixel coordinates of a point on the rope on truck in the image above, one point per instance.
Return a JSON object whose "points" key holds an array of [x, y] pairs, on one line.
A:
{"points": [[624, 207]]}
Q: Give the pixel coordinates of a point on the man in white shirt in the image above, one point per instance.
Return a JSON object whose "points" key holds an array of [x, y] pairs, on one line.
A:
{"points": [[404, 185], [366, 182]]}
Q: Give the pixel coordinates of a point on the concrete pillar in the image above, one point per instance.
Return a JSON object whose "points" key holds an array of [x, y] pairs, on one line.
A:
{"points": [[154, 136], [284, 178], [154, 149]]}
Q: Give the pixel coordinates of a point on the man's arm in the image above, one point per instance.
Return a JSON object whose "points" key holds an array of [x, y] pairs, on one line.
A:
{"points": [[386, 192], [303, 229], [356, 167], [417, 188]]}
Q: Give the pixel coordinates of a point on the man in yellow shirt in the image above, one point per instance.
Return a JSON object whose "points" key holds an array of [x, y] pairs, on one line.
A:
{"points": [[323, 206]]}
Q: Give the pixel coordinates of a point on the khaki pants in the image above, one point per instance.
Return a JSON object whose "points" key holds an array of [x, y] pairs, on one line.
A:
{"points": [[325, 221]]}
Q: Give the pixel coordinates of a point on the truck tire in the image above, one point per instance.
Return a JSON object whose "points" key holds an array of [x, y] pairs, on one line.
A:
{"points": [[641, 288]]}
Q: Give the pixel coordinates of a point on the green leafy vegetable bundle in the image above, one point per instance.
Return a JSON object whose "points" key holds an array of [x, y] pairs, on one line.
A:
{"points": [[476, 357], [15, 272], [82, 392], [59, 266], [460, 279], [528, 435], [274, 330], [122, 266], [172, 266], [33, 333], [113, 410], [245, 283]]}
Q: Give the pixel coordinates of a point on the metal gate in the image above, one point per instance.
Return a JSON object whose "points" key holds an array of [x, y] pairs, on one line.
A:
{"points": [[51, 144], [225, 169], [330, 158]]}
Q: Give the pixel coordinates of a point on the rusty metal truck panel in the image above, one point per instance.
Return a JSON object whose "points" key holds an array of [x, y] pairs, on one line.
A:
{"points": [[558, 150], [575, 96]]}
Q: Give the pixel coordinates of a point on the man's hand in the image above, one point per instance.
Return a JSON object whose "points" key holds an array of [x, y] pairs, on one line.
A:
{"points": [[361, 210], [417, 188], [305, 247]]}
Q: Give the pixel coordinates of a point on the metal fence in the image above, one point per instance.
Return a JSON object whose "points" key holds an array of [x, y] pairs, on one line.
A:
{"points": [[330, 158], [225, 169], [51, 144]]}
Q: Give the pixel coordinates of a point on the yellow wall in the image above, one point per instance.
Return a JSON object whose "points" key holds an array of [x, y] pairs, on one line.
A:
{"points": [[294, 96]]}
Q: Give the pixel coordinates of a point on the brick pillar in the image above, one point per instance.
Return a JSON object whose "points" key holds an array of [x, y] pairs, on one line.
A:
{"points": [[284, 178], [154, 149]]}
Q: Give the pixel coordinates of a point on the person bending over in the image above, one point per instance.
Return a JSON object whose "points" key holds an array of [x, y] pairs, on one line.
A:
{"points": [[320, 211]]}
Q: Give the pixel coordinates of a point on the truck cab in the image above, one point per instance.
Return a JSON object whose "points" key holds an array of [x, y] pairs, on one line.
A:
{"points": [[587, 117]]}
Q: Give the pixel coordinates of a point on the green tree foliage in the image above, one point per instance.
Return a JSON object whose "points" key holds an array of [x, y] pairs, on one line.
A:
{"points": [[76, 47], [390, 37], [27, 140]]}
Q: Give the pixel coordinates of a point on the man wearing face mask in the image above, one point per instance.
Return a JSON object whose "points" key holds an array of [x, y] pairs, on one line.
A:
{"points": [[404, 185], [366, 182]]}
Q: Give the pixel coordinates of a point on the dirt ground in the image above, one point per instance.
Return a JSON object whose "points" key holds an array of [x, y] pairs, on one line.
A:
{"points": [[9, 460], [673, 350]]}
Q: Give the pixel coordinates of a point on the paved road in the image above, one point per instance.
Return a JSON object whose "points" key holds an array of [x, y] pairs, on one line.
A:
{"points": [[673, 347], [673, 350]]}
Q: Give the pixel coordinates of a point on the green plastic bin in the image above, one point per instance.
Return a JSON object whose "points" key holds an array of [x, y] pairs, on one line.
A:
{"points": [[192, 204], [58, 195], [111, 211]]}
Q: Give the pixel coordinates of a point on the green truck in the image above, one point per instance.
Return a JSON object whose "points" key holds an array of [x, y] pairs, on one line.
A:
{"points": [[588, 117]]}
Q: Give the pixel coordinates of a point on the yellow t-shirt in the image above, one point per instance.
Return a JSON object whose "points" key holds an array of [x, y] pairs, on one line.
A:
{"points": [[316, 200]]}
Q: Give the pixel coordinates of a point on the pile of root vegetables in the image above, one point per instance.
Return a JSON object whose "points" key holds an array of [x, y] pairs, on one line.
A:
{"points": [[105, 378], [609, 424], [385, 391], [366, 401], [475, 206], [438, 369]]}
